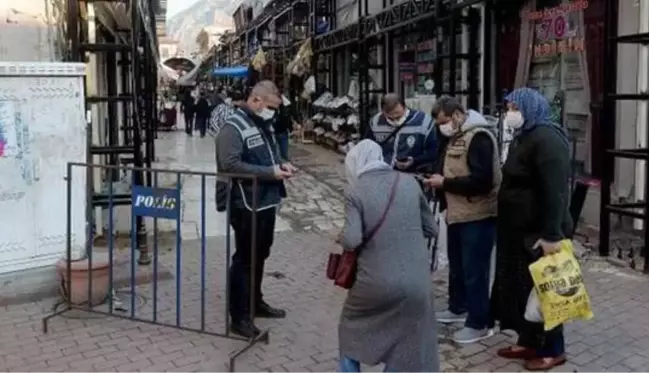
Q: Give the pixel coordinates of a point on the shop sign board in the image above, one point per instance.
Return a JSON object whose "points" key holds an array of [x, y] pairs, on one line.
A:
{"points": [[554, 33], [555, 47], [552, 12]]}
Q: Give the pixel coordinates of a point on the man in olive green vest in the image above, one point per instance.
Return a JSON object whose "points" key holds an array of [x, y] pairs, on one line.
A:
{"points": [[467, 184]]}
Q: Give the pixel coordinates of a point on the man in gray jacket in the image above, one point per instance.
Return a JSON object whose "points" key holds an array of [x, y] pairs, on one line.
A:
{"points": [[246, 145]]}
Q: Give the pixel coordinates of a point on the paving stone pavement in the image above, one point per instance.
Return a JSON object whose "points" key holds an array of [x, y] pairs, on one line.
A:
{"points": [[311, 204], [616, 340]]}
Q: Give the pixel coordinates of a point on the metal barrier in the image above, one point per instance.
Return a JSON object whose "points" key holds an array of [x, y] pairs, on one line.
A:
{"points": [[155, 202]]}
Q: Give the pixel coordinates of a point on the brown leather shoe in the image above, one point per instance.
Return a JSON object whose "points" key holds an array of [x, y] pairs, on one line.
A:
{"points": [[545, 363], [516, 354]]}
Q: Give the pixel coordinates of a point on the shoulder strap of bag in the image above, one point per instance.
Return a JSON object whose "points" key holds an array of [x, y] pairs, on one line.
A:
{"points": [[372, 232], [392, 134]]}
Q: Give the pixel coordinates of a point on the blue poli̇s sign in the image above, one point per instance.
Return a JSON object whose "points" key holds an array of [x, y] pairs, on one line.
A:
{"points": [[156, 202]]}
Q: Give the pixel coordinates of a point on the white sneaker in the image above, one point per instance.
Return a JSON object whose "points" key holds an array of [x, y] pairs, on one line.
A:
{"points": [[448, 317], [470, 335]]}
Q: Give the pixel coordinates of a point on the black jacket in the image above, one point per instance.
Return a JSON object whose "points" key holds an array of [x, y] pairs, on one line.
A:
{"points": [[283, 121], [188, 107], [534, 195], [203, 108]]}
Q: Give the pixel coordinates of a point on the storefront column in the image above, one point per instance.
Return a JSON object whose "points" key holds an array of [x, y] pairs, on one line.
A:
{"points": [[642, 107]]}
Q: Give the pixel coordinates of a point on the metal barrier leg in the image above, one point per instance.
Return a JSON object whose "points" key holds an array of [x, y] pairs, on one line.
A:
{"points": [[68, 251], [262, 337]]}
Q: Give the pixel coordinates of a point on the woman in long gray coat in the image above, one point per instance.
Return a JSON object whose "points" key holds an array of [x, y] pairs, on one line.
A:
{"points": [[388, 316]]}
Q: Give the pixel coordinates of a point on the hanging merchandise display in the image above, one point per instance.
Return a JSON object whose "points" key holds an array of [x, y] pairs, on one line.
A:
{"points": [[336, 122], [309, 88], [301, 63], [259, 60]]}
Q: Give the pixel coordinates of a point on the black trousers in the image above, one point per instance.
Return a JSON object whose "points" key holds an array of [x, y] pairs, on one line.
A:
{"points": [[189, 121], [242, 264], [201, 124], [549, 343]]}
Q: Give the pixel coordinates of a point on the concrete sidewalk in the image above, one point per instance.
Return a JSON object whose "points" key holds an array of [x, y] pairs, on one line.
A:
{"points": [[616, 340]]}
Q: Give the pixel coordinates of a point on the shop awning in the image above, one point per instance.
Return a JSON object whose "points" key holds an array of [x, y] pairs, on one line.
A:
{"points": [[234, 71]]}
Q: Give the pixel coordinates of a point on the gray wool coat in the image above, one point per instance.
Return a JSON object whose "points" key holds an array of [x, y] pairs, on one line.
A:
{"points": [[388, 316]]}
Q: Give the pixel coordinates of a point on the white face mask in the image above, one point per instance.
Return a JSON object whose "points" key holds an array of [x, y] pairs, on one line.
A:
{"points": [[400, 121], [514, 119], [447, 129], [267, 114]]}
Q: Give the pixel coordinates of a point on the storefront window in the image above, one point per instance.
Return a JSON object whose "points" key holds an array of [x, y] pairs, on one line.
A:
{"points": [[558, 68]]}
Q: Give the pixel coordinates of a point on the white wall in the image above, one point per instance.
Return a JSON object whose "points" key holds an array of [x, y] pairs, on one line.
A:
{"points": [[627, 82], [24, 34]]}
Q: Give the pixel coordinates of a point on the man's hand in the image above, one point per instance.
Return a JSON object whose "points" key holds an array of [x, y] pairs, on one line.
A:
{"points": [[289, 168], [548, 247], [280, 174], [436, 181], [406, 164]]}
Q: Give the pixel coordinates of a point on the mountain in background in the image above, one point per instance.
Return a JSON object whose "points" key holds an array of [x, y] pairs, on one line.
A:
{"points": [[215, 14]]}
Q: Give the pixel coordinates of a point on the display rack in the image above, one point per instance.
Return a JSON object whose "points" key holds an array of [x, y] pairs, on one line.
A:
{"points": [[639, 209], [434, 55], [131, 109]]}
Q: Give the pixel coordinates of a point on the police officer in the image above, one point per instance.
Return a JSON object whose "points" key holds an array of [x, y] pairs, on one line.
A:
{"points": [[246, 145], [407, 136]]}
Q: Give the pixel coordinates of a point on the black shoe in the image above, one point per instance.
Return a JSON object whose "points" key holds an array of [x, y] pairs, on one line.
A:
{"points": [[245, 328], [268, 312]]}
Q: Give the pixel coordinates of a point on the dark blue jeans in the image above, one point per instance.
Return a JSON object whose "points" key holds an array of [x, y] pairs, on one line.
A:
{"points": [[348, 365], [282, 144], [469, 255]]}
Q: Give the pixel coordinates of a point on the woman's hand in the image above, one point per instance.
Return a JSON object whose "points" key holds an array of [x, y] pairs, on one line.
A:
{"points": [[548, 247], [339, 237]]}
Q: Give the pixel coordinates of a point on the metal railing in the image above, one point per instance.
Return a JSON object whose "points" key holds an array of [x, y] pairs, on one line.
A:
{"points": [[164, 200]]}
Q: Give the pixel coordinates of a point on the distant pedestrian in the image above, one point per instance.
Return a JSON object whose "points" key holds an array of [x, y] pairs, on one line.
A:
{"points": [[283, 125], [223, 110], [203, 112], [188, 107], [388, 316]]}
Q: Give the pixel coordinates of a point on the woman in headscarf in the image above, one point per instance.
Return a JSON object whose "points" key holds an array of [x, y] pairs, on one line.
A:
{"points": [[532, 218], [388, 316]]}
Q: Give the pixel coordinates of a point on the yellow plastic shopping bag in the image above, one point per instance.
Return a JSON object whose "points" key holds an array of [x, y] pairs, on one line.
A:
{"points": [[560, 287]]}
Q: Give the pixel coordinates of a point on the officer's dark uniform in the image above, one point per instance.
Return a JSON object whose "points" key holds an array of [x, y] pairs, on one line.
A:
{"points": [[416, 138], [259, 148]]}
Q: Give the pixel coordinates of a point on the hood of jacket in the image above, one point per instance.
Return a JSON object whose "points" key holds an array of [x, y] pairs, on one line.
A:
{"points": [[475, 120]]}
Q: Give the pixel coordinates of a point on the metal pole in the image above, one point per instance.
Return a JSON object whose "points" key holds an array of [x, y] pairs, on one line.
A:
{"points": [[136, 28], [608, 162]]}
